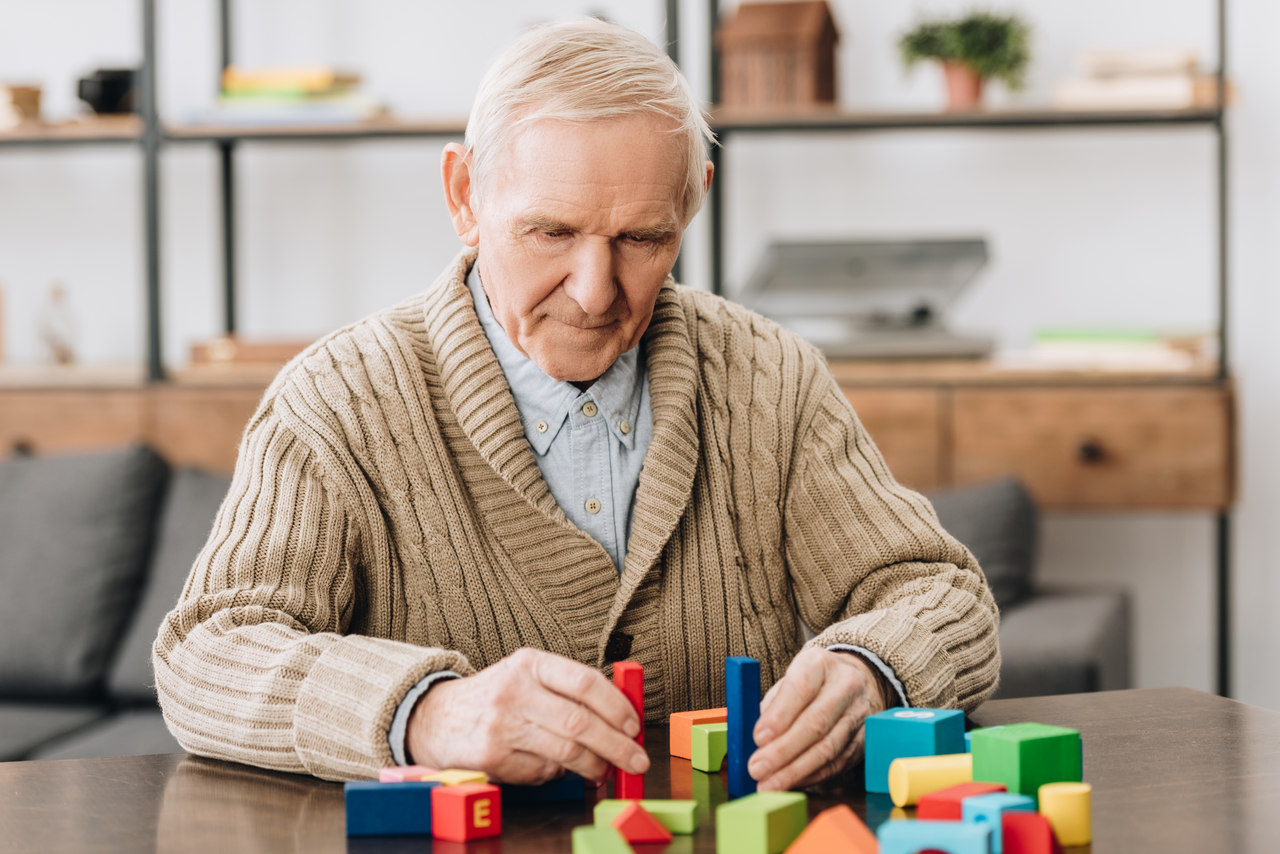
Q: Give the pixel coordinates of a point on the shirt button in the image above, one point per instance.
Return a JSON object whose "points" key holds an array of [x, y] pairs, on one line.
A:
{"points": [[593, 506], [625, 427], [589, 409], [541, 426]]}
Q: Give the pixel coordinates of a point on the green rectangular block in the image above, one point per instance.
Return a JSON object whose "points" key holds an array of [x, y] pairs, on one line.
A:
{"points": [[1026, 756], [710, 745], [594, 839], [763, 823], [676, 816]]}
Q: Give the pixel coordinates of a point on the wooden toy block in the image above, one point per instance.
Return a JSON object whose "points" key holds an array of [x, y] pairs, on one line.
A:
{"points": [[948, 837], [594, 839], [456, 777], [681, 724], [388, 809], [836, 830], [742, 692], [911, 777], [628, 676], [909, 732], [945, 804], [989, 810], [466, 811], [760, 823], [710, 746], [1068, 807], [567, 787], [637, 826], [1026, 756], [1027, 833], [405, 773], [680, 817]]}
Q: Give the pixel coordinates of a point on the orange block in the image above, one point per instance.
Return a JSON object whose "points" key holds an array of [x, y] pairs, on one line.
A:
{"points": [[466, 811], [836, 829], [682, 728], [637, 825]]}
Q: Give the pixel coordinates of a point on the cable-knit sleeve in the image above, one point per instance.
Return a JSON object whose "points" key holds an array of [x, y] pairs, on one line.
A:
{"points": [[873, 567], [255, 664]]}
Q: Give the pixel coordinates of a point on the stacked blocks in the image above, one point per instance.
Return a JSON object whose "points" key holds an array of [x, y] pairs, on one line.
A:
{"points": [[389, 809], [989, 810], [742, 690], [710, 745], [456, 777], [953, 837], [760, 823], [676, 816], [405, 773], [945, 804], [911, 777], [593, 839], [637, 826], [908, 732], [682, 724], [1067, 807], [1026, 756], [628, 676], [466, 811], [1027, 833], [836, 830]]}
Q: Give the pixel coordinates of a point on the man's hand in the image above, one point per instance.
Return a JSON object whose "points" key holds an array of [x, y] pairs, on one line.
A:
{"points": [[525, 719], [810, 725]]}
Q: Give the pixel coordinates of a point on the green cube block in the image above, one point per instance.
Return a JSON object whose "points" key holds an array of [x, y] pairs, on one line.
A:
{"points": [[710, 744], [594, 839], [1026, 756], [675, 816], [763, 823]]}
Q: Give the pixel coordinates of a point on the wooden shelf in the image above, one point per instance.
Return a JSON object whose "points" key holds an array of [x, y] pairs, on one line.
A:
{"points": [[62, 378], [988, 372], [382, 128], [108, 129]]}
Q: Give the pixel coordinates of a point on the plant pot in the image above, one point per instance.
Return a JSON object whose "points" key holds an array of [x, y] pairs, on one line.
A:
{"points": [[964, 87]]}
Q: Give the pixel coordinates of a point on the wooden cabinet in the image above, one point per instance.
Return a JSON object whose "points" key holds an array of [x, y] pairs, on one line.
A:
{"points": [[1079, 441]]}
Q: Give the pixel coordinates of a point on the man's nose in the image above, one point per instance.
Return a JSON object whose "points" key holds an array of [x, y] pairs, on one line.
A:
{"points": [[591, 282]]}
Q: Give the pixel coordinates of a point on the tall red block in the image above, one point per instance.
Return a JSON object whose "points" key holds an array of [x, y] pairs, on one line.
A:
{"points": [[466, 811], [945, 804], [628, 676]]}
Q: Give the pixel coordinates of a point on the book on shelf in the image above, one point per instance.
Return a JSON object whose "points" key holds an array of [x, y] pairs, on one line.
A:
{"points": [[1153, 78], [1113, 349], [302, 95], [1138, 62]]}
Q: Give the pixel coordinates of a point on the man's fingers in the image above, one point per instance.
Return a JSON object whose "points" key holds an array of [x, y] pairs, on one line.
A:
{"points": [[822, 758], [573, 736], [848, 757], [815, 722], [583, 685], [795, 691]]}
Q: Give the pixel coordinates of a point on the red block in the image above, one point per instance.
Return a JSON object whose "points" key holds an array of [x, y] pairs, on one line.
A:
{"points": [[466, 811], [628, 677], [944, 804], [1028, 833], [836, 830], [637, 825]]}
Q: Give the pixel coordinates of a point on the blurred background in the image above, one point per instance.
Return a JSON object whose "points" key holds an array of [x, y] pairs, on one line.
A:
{"points": [[1093, 192]]}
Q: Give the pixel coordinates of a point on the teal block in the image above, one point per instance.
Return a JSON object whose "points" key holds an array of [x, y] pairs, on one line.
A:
{"points": [[1026, 756], [593, 839], [910, 836], [909, 732], [761, 823], [989, 810], [388, 809]]}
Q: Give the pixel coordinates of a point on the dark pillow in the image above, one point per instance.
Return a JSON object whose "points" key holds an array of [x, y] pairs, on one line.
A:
{"points": [[998, 522], [74, 536], [190, 505]]}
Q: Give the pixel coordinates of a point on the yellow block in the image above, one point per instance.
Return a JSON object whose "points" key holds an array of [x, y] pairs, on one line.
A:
{"points": [[912, 777], [456, 776], [1068, 807]]}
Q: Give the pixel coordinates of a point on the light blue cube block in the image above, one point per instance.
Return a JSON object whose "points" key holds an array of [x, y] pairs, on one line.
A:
{"points": [[954, 837], [989, 810], [909, 732]]}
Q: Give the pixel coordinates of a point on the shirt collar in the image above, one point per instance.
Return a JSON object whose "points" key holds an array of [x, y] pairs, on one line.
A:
{"points": [[544, 403]]}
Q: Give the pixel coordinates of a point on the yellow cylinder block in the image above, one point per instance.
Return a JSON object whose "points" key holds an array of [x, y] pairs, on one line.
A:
{"points": [[1068, 807], [912, 777]]}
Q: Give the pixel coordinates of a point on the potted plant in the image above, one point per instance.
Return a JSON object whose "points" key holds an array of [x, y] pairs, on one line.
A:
{"points": [[971, 49]]}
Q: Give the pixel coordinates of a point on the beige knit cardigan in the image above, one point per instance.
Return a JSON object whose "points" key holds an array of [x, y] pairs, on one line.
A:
{"points": [[387, 519]]}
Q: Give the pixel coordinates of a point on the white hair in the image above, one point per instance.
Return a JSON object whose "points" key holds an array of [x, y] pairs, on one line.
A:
{"points": [[585, 71]]}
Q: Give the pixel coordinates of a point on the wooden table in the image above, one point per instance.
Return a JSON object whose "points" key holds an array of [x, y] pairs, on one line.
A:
{"points": [[1173, 770]]}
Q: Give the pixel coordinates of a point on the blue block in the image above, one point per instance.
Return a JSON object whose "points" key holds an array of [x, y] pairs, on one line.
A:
{"points": [[388, 809], [989, 810], [968, 743], [742, 697], [569, 787], [909, 732], [909, 836]]}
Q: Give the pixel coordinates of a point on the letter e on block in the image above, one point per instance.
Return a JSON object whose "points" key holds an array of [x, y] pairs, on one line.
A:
{"points": [[466, 811]]}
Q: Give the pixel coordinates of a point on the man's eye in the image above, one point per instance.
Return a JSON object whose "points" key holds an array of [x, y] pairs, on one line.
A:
{"points": [[555, 234], [638, 238]]}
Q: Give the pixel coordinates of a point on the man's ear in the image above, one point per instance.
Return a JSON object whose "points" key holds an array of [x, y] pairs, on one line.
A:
{"points": [[455, 171], [711, 171]]}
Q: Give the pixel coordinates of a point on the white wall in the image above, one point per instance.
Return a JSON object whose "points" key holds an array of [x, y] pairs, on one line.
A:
{"points": [[1090, 227]]}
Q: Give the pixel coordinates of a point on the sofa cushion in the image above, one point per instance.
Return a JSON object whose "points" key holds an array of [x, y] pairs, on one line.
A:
{"points": [[74, 536], [998, 522], [190, 505], [138, 732], [26, 726]]}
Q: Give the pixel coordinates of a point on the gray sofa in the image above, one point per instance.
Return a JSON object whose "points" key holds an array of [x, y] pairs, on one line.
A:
{"points": [[95, 548]]}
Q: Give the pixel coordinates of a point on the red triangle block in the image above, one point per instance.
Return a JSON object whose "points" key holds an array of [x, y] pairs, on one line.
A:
{"points": [[836, 830], [636, 825]]}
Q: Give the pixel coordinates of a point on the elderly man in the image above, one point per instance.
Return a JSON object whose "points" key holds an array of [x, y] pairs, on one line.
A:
{"points": [[449, 518]]}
